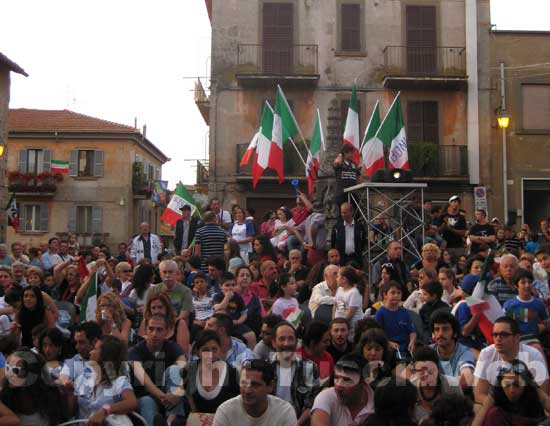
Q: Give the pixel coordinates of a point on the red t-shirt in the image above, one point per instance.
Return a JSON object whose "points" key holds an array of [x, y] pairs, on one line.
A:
{"points": [[299, 214], [260, 290], [324, 362]]}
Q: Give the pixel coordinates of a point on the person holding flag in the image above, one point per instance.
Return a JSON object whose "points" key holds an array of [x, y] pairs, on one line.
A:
{"points": [[181, 197], [185, 231]]}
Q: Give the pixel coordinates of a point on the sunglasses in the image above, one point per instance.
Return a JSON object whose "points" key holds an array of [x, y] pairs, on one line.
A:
{"points": [[15, 370], [516, 368], [126, 270], [502, 334]]}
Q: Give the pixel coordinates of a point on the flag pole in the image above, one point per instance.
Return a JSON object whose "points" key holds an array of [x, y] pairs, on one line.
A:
{"points": [[293, 118], [321, 129], [368, 125], [386, 116], [298, 151]]}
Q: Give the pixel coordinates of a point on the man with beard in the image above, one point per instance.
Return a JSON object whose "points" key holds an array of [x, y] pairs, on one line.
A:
{"points": [[351, 400], [339, 344], [455, 359], [266, 287], [333, 257], [297, 379]]}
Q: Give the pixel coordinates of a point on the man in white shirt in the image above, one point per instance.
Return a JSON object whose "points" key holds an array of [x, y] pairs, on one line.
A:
{"points": [[507, 347], [223, 217], [255, 405], [324, 293]]}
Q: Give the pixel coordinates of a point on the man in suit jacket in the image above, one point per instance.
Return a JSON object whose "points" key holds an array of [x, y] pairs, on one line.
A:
{"points": [[185, 230], [348, 236]]}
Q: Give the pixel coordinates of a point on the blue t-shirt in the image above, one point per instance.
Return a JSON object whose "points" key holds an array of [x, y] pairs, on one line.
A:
{"points": [[397, 325], [526, 314], [462, 358]]}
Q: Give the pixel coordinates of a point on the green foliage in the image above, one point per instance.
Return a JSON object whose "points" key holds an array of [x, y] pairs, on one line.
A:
{"points": [[424, 158]]}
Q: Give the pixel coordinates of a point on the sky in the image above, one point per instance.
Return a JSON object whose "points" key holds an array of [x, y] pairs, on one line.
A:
{"points": [[125, 59]]}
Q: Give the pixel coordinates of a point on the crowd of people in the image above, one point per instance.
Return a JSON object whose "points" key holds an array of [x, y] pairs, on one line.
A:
{"points": [[280, 322]]}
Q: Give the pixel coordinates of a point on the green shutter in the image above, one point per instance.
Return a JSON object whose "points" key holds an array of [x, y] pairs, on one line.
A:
{"points": [[71, 223], [46, 160], [73, 165], [97, 220], [98, 163], [44, 217]]}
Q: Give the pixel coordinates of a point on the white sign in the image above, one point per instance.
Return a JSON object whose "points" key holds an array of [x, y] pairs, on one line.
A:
{"points": [[480, 198]]}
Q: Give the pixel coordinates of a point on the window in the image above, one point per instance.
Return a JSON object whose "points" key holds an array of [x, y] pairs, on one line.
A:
{"points": [[85, 220], [86, 163], [422, 122], [34, 161], [33, 218], [350, 27], [535, 106]]}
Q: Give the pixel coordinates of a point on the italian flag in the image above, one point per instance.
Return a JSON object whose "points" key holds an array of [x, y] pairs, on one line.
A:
{"points": [[58, 166], [89, 303], [263, 144], [312, 164], [250, 150], [392, 134], [181, 197], [284, 127], [372, 150], [351, 132]]}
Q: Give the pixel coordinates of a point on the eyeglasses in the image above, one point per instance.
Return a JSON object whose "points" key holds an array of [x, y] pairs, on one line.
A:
{"points": [[515, 368], [502, 334], [14, 370], [126, 270]]}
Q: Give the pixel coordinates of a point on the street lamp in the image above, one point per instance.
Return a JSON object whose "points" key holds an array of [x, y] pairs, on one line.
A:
{"points": [[503, 120]]}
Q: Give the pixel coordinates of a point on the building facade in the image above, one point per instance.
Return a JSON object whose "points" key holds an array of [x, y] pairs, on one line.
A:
{"points": [[105, 194], [432, 51]]}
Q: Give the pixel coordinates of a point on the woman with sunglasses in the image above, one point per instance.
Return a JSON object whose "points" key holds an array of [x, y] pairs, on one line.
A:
{"points": [[515, 400], [123, 272], [25, 392]]}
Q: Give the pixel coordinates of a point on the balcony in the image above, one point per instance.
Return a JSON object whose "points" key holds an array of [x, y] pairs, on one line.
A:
{"points": [[408, 67], [293, 166], [34, 185], [141, 187], [438, 161], [263, 66], [202, 100]]}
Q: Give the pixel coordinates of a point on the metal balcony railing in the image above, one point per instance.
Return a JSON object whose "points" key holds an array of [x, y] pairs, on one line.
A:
{"points": [[425, 61], [433, 160], [297, 59]]}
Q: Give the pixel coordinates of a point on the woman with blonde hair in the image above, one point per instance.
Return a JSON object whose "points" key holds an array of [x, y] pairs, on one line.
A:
{"points": [[123, 271], [110, 316]]}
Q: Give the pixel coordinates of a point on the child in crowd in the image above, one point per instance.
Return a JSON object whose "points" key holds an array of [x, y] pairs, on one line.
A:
{"points": [[349, 302], [286, 302], [528, 311], [194, 267], [431, 294], [230, 302], [396, 320], [451, 293], [36, 333], [474, 267], [203, 303]]}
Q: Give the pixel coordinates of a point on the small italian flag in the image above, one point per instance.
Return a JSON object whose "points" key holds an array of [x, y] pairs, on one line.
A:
{"points": [[179, 199], [372, 150], [312, 166], [392, 133], [59, 166], [351, 131], [89, 303]]}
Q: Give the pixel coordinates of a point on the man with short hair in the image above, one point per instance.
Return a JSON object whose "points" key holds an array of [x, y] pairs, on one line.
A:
{"points": [[393, 256], [216, 267], [544, 233], [455, 359], [221, 217], [297, 379], [264, 347], [346, 173], [339, 343], [351, 400], [17, 253], [266, 287], [64, 250], [146, 245], [452, 227], [333, 257], [482, 232], [507, 347], [122, 255], [255, 405], [50, 258], [348, 236], [209, 240], [154, 361], [502, 286], [185, 231], [324, 293]]}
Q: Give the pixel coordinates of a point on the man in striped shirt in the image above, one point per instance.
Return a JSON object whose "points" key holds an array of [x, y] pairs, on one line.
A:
{"points": [[209, 240]]}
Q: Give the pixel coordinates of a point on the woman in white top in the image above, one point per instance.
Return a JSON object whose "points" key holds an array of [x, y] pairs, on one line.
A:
{"points": [[242, 232], [349, 302]]}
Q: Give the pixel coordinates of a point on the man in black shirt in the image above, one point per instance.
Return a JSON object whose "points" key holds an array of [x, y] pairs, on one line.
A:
{"points": [[482, 232], [346, 171], [339, 344], [154, 366], [453, 228]]}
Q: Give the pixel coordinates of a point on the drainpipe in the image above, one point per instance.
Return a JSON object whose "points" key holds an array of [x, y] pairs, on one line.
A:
{"points": [[471, 27]]}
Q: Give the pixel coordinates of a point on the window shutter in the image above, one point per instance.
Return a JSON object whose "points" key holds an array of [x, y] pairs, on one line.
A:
{"points": [[430, 121], [351, 27], [71, 225], [44, 217], [23, 161], [47, 160], [159, 176], [73, 163], [98, 163], [414, 122], [21, 211], [97, 219]]}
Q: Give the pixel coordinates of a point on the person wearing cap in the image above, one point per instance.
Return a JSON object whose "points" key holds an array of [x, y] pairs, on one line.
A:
{"points": [[185, 230], [481, 233], [452, 226], [351, 400]]}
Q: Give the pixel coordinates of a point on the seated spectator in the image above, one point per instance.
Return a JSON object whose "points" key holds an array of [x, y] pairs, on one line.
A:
{"points": [[123, 272], [283, 224], [209, 380], [452, 293], [232, 255], [324, 293], [299, 271], [68, 282], [502, 287], [287, 302], [515, 400], [396, 320], [103, 389], [414, 301], [254, 308], [263, 250], [242, 233], [387, 274], [34, 255], [231, 303], [143, 277], [431, 294], [315, 342], [451, 410], [389, 394], [264, 348], [339, 338], [266, 287], [25, 392], [50, 344], [374, 347], [203, 303], [351, 400], [349, 302], [216, 268], [110, 316], [256, 405], [18, 270], [473, 267], [154, 362], [268, 222], [32, 312]]}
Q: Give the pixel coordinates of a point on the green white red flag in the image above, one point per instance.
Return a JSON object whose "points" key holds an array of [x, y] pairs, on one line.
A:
{"points": [[312, 164], [59, 166], [181, 197], [392, 134], [250, 150], [351, 131], [372, 149], [263, 144], [89, 303]]}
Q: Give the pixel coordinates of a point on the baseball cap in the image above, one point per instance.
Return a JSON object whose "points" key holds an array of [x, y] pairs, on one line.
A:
{"points": [[453, 198]]}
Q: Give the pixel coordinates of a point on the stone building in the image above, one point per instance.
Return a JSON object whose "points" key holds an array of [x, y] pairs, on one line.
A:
{"points": [[105, 194], [6, 67], [435, 52]]}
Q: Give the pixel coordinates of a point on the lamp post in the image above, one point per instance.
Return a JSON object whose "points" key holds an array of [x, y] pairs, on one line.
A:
{"points": [[503, 120]]}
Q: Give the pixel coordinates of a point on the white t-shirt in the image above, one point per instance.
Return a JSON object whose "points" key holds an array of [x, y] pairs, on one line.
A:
{"points": [[339, 414], [278, 413], [346, 299], [238, 233], [282, 304], [490, 361]]}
